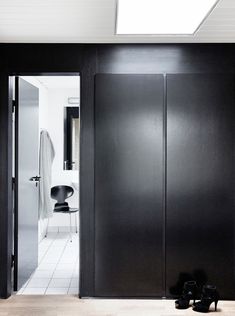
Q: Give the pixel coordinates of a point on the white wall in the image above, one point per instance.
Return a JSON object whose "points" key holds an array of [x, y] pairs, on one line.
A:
{"points": [[51, 117], [43, 101], [58, 99]]}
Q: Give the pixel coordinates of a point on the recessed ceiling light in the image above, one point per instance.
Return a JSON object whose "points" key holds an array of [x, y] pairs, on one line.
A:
{"points": [[153, 17]]}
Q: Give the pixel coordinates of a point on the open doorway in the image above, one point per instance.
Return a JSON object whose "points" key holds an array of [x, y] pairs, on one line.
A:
{"points": [[47, 138]]}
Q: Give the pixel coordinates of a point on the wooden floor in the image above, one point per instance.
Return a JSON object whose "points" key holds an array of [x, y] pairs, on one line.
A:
{"points": [[51, 305]]}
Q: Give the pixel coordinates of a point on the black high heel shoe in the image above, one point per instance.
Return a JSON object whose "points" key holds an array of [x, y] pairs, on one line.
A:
{"points": [[209, 295], [188, 294]]}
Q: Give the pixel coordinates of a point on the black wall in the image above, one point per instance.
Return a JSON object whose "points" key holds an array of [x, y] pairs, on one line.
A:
{"points": [[88, 60]]}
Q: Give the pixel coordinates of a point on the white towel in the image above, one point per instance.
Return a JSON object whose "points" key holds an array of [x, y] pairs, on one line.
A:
{"points": [[46, 157]]}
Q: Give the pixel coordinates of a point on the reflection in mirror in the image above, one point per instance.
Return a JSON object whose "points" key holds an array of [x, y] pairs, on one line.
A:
{"points": [[75, 143], [71, 138]]}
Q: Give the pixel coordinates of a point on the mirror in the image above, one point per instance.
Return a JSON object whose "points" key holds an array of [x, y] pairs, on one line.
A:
{"points": [[71, 138]]}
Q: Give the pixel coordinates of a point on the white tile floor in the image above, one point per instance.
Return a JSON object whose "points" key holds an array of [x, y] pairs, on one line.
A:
{"points": [[57, 272]]}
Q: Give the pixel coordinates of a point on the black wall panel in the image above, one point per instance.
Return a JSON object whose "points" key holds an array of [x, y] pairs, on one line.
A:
{"points": [[89, 59], [129, 185], [167, 58], [200, 181]]}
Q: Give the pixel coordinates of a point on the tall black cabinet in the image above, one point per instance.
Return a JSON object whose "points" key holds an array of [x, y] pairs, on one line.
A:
{"points": [[129, 185], [164, 183], [200, 181]]}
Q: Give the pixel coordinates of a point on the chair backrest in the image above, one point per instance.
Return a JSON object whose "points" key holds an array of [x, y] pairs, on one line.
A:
{"points": [[60, 193]]}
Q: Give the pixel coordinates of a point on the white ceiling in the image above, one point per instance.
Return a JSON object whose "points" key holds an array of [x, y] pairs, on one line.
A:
{"points": [[93, 21], [59, 82]]}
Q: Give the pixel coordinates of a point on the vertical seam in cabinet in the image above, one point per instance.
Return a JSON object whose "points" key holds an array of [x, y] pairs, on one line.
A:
{"points": [[164, 180], [94, 192], [94, 164]]}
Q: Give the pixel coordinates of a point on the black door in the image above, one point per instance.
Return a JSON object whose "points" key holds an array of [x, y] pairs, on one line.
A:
{"points": [[200, 181], [128, 185]]}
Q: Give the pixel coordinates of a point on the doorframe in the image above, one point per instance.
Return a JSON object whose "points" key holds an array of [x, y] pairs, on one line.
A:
{"points": [[6, 196], [11, 282]]}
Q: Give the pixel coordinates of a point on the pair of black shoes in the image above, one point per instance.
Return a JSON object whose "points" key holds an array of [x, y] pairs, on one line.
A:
{"points": [[209, 295]]}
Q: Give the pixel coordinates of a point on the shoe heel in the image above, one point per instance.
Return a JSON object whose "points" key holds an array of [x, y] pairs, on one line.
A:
{"points": [[216, 302]]}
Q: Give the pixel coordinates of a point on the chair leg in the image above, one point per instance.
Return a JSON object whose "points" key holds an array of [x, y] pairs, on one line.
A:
{"points": [[70, 227], [76, 222], [47, 226]]}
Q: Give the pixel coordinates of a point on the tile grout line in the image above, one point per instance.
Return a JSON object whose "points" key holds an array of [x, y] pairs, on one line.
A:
{"points": [[72, 274], [57, 265], [50, 246], [26, 287]]}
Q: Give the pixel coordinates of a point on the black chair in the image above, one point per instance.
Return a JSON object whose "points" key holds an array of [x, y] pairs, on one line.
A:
{"points": [[60, 193]]}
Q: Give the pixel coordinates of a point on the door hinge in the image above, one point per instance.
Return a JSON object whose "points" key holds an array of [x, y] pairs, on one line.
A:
{"points": [[12, 260], [13, 106], [13, 183]]}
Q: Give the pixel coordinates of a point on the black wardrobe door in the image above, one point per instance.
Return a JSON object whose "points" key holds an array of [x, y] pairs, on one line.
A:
{"points": [[200, 182], [128, 185]]}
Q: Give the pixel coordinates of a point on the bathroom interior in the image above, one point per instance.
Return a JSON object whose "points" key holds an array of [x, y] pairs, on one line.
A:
{"points": [[58, 229]]}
